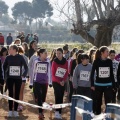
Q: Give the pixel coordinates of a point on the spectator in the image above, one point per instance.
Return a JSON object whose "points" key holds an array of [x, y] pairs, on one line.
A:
{"points": [[22, 38], [66, 52], [36, 37], [19, 35], [9, 39], [1, 39], [27, 38], [31, 38]]}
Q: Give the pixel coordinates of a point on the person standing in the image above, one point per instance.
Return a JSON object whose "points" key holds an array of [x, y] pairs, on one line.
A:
{"points": [[13, 66], [66, 52], [59, 77], [2, 40], [36, 37], [31, 38], [115, 69], [32, 48], [104, 83], [27, 38], [9, 39], [41, 78]]}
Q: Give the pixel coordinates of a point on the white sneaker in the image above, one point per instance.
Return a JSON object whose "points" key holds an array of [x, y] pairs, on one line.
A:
{"points": [[57, 115], [15, 114], [10, 114]]}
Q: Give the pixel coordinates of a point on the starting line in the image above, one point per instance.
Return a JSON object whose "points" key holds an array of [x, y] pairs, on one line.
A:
{"points": [[45, 106], [81, 108]]}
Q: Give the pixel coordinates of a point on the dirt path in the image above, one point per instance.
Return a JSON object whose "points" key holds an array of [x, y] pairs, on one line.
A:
{"points": [[31, 113]]}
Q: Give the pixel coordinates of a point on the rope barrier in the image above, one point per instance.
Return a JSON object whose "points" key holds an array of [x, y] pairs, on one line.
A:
{"points": [[45, 106]]}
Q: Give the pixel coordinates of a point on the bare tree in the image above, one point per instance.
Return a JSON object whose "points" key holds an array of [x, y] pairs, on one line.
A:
{"points": [[107, 16]]}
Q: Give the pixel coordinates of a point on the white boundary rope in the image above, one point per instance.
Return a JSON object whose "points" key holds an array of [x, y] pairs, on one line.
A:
{"points": [[45, 105]]}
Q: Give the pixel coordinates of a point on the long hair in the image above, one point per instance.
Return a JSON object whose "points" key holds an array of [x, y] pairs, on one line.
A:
{"points": [[3, 50], [99, 51], [53, 55]]}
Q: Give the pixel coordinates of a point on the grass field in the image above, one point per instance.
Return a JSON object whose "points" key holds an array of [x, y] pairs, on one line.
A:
{"points": [[84, 46]]}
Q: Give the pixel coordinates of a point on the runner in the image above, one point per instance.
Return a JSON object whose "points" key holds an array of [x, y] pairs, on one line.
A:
{"points": [[3, 54], [32, 48], [21, 52], [59, 76], [14, 63], [115, 68], [104, 82], [25, 47], [42, 77], [17, 41], [81, 76], [1, 78]]}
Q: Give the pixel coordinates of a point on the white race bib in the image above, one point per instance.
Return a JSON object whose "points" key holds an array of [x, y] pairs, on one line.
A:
{"points": [[14, 71], [60, 72], [41, 68], [84, 75], [104, 72]]}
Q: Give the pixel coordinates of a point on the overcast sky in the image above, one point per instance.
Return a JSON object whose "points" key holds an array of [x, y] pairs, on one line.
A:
{"points": [[11, 3]]}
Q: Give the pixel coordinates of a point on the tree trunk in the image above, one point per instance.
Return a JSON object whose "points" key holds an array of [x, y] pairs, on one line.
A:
{"points": [[103, 36]]}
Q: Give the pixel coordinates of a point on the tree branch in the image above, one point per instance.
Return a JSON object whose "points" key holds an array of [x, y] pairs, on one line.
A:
{"points": [[98, 3], [95, 8], [89, 18]]}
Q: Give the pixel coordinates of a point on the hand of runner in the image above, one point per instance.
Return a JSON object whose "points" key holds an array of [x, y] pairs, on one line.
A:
{"points": [[62, 83], [30, 86], [50, 85], [1, 82], [93, 88]]}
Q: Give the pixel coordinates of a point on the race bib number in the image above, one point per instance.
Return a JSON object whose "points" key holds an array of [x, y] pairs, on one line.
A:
{"points": [[60, 72], [41, 68], [84, 75], [104, 72], [14, 71]]}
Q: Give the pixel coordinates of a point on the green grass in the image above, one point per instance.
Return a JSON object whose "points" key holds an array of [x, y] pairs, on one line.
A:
{"points": [[84, 46]]}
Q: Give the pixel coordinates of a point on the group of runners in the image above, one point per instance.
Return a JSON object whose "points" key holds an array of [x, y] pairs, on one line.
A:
{"points": [[91, 73]]}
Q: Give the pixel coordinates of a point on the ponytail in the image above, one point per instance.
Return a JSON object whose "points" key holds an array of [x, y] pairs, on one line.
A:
{"points": [[99, 51], [97, 54]]}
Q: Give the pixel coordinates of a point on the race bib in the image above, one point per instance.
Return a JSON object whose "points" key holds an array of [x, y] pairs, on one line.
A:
{"points": [[104, 72], [14, 71], [60, 72], [41, 68], [84, 75]]}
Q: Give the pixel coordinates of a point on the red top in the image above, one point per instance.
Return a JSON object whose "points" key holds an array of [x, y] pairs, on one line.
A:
{"points": [[2, 40], [59, 72]]}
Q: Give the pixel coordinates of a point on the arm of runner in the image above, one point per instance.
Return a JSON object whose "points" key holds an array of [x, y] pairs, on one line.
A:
{"points": [[25, 67], [75, 77], [92, 76], [112, 75], [118, 74], [1, 74], [49, 74], [66, 74]]}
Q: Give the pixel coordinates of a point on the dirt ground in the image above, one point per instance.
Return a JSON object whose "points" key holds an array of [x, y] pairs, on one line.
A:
{"points": [[32, 113]]}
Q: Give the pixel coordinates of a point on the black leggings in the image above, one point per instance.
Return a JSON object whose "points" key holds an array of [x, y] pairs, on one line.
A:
{"points": [[59, 93], [99, 90], [71, 90], [40, 92], [1, 89], [11, 84]]}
